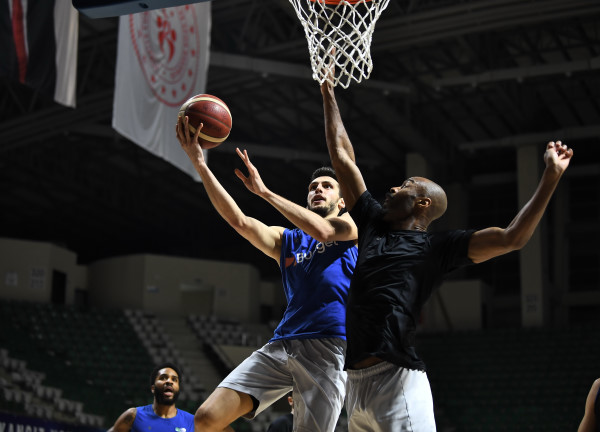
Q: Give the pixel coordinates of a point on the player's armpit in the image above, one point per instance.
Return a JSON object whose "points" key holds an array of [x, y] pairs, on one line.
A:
{"points": [[265, 238]]}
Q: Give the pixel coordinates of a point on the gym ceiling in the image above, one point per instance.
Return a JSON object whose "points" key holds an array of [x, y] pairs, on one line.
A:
{"points": [[462, 83]]}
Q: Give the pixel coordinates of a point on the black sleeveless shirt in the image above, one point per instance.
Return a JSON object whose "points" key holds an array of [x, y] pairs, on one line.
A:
{"points": [[395, 274]]}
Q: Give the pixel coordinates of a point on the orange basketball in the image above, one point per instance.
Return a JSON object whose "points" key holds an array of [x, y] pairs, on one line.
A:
{"points": [[214, 115]]}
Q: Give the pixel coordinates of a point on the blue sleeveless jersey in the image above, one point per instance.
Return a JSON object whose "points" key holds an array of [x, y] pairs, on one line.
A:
{"points": [[147, 421], [316, 278]]}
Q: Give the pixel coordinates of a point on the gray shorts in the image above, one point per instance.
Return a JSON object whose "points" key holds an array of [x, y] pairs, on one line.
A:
{"points": [[388, 398], [312, 368]]}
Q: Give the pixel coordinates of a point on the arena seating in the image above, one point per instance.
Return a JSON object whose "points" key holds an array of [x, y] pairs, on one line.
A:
{"points": [[511, 380], [86, 366]]}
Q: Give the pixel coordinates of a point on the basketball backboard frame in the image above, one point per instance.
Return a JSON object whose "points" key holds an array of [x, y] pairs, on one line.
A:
{"points": [[113, 8]]}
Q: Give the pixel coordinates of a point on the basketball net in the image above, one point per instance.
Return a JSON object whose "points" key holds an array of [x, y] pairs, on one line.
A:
{"points": [[339, 32]]}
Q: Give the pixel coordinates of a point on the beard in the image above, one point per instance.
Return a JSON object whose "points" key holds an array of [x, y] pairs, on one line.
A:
{"points": [[161, 399], [323, 211]]}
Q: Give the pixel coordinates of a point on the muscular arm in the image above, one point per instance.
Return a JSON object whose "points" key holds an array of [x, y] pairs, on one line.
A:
{"points": [[125, 421], [319, 228], [340, 149], [492, 242], [266, 239], [589, 421]]}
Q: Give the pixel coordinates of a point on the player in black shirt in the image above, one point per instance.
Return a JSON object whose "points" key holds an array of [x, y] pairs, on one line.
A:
{"points": [[399, 265]]}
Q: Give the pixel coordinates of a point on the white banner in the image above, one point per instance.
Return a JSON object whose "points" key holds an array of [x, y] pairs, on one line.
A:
{"points": [[66, 27], [162, 61], [39, 46]]}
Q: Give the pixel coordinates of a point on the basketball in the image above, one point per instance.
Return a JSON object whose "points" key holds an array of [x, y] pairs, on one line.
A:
{"points": [[213, 113]]}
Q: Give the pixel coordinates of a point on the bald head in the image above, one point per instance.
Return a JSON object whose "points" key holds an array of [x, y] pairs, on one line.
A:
{"points": [[414, 204], [433, 191]]}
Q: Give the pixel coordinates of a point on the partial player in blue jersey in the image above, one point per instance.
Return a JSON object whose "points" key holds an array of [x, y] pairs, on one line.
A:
{"points": [[316, 259], [161, 415]]}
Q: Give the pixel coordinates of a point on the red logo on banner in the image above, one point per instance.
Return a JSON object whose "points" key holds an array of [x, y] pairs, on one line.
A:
{"points": [[166, 44]]}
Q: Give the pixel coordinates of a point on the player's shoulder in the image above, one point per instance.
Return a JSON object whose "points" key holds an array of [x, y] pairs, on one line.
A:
{"points": [[128, 416], [450, 235], [365, 198], [365, 206]]}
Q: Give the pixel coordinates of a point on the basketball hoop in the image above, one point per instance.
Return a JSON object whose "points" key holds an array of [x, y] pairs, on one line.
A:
{"points": [[339, 32]]}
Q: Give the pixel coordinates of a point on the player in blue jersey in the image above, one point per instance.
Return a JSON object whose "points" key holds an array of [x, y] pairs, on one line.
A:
{"points": [[161, 415], [316, 259], [591, 417], [399, 265]]}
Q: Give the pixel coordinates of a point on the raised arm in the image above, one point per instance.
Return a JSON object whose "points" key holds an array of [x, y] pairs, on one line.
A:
{"points": [[340, 149], [492, 242], [265, 238], [322, 229], [124, 422]]}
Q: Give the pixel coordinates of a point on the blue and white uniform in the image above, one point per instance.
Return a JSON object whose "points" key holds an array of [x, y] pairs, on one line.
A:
{"points": [[316, 277], [306, 353], [147, 421]]}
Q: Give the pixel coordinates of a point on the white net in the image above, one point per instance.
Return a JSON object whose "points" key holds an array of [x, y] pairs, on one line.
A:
{"points": [[340, 33]]}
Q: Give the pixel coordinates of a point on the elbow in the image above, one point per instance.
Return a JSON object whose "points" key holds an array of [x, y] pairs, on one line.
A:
{"points": [[516, 243], [515, 239], [324, 236], [239, 224]]}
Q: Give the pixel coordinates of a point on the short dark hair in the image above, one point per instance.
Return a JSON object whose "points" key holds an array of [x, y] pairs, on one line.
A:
{"points": [[155, 371], [323, 171]]}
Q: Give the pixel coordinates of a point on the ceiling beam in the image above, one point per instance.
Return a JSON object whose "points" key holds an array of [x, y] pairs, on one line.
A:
{"points": [[445, 23], [53, 121], [518, 74], [293, 70], [581, 132], [254, 149]]}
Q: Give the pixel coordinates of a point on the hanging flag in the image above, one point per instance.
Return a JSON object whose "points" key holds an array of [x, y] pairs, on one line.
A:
{"points": [[162, 61], [38, 46]]}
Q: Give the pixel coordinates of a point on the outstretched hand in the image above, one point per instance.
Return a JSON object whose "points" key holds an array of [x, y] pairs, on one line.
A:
{"points": [[189, 143], [329, 73], [558, 155], [253, 182]]}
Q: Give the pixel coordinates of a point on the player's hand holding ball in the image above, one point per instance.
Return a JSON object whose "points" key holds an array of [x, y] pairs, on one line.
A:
{"points": [[210, 112]]}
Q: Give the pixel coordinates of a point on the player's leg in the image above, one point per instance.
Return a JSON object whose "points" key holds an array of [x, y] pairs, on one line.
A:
{"points": [[319, 383], [356, 398], [221, 408], [259, 381], [390, 399]]}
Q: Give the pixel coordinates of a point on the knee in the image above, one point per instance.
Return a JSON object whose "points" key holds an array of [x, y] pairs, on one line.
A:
{"points": [[204, 421]]}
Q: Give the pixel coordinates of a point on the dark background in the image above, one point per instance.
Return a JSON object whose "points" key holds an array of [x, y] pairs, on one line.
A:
{"points": [[462, 83]]}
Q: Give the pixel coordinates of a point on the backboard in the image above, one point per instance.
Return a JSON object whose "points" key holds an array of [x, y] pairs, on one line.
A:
{"points": [[112, 8]]}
